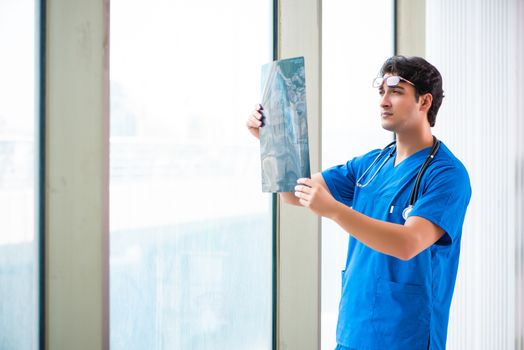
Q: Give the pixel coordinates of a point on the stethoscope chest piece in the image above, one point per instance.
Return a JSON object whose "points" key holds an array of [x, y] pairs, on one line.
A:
{"points": [[406, 211]]}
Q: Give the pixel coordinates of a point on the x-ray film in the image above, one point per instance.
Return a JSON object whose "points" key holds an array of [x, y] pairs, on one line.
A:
{"points": [[284, 145]]}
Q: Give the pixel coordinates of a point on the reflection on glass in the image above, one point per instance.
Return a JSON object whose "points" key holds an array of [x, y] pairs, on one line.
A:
{"points": [[191, 240], [18, 243]]}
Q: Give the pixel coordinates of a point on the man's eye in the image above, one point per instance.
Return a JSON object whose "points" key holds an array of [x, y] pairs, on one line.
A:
{"points": [[381, 92]]}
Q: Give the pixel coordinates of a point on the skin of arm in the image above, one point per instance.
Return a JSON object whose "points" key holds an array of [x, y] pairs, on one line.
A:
{"points": [[401, 241]]}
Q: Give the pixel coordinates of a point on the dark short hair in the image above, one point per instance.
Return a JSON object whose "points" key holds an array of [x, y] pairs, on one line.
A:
{"points": [[424, 75]]}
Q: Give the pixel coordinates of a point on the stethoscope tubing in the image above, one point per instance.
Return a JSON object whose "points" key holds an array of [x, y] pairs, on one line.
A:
{"points": [[374, 162], [413, 196], [414, 192]]}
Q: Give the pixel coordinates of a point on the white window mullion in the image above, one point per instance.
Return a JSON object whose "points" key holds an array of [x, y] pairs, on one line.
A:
{"points": [[77, 159], [298, 286]]}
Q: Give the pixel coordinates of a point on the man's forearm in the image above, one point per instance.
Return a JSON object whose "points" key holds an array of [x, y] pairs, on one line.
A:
{"points": [[385, 237]]}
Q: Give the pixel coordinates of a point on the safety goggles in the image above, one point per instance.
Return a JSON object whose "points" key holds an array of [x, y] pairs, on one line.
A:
{"points": [[391, 81]]}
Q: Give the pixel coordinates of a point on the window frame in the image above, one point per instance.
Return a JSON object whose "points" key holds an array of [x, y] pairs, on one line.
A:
{"points": [[74, 108]]}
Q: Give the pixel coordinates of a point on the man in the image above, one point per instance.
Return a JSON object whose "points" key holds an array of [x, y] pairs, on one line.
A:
{"points": [[402, 260]]}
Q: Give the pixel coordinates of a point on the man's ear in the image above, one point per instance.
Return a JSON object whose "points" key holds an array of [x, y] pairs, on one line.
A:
{"points": [[426, 101]]}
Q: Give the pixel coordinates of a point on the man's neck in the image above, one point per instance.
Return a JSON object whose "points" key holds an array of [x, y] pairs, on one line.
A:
{"points": [[408, 144]]}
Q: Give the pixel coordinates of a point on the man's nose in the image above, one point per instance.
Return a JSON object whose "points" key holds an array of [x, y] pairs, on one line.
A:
{"points": [[385, 101]]}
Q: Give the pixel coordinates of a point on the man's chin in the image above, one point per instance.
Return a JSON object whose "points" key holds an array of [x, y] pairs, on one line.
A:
{"points": [[387, 126]]}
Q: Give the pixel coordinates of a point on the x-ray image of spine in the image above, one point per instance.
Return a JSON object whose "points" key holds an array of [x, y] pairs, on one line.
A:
{"points": [[284, 137]]}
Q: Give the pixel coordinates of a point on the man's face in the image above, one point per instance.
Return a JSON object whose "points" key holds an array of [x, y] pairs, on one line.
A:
{"points": [[399, 109]]}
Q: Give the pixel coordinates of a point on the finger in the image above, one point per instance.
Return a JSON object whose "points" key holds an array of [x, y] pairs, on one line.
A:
{"points": [[305, 181], [257, 115], [303, 196], [258, 107], [253, 122], [303, 189]]}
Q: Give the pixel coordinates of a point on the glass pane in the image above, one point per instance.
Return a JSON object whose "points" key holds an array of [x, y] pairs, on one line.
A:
{"points": [[350, 116], [18, 241], [191, 239]]}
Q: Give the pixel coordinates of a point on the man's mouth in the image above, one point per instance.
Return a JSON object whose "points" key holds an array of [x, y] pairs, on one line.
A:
{"points": [[386, 114]]}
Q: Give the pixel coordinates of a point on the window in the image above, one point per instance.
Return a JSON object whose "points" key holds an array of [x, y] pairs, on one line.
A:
{"points": [[191, 237], [18, 240], [350, 116]]}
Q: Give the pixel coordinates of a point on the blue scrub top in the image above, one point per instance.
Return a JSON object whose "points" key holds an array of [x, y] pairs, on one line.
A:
{"points": [[388, 303]]}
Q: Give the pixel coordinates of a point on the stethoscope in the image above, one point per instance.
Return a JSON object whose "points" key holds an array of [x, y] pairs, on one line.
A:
{"points": [[414, 191]]}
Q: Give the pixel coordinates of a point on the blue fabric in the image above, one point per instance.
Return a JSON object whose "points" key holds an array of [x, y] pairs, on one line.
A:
{"points": [[388, 303], [340, 347]]}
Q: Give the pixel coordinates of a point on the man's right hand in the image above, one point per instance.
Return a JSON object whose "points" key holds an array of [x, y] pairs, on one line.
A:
{"points": [[255, 121]]}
